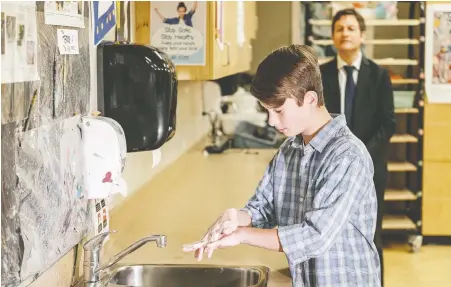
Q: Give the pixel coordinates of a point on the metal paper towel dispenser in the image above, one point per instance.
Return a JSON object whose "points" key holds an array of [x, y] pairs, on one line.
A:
{"points": [[137, 87]]}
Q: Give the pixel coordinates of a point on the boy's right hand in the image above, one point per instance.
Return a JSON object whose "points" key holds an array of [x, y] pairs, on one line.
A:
{"points": [[226, 224]]}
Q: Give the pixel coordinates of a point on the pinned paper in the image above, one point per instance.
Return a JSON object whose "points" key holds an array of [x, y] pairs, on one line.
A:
{"points": [[68, 42], [156, 157]]}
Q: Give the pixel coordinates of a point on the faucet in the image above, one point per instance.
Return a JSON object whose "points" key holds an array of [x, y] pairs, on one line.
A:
{"points": [[91, 265]]}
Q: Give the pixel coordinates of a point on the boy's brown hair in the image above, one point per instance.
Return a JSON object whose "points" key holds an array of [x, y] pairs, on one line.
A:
{"points": [[288, 72]]}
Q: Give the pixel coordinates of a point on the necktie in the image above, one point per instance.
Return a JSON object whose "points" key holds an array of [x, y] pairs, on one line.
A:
{"points": [[349, 93]]}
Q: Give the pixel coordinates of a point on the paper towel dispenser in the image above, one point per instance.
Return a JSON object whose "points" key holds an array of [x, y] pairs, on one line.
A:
{"points": [[137, 87]]}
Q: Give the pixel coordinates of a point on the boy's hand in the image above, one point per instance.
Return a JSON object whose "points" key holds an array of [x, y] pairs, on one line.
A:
{"points": [[226, 224], [234, 239]]}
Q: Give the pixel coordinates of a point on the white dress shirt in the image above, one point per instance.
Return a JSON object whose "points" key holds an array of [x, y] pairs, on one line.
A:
{"points": [[342, 77]]}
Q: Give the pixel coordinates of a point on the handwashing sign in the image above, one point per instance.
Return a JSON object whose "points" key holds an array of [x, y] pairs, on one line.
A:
{"points": [[178, 29]]}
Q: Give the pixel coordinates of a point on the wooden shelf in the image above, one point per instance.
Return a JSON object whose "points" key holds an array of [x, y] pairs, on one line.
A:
{"points": [[401, 166], [382, 62], [403, 138], [399, 195], [373, 22], [397, 222], [374, 42], [404, 81], [406, 111]]}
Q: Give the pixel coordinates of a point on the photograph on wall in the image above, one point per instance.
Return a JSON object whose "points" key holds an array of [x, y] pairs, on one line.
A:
{"points": [[64, 13], [178, 29], [19, 48], [438, 53]]}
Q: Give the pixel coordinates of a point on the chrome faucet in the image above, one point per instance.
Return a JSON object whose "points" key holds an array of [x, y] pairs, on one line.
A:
{"points": [[91, 265]]}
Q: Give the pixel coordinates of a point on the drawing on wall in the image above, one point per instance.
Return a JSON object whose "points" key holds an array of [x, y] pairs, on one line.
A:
{"points": [[30, 52], [103, 18], [3, 33], [64, 13], [19, 29], [438, 53], [11, 28], [178, 29], [6, 103]]}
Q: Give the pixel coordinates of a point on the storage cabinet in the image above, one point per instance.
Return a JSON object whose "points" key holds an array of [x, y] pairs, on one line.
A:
{"points": [[437, 171], [233, 57]]}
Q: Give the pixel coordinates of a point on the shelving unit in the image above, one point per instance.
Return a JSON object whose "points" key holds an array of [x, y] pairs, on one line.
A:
{"points": [[403, 195]]}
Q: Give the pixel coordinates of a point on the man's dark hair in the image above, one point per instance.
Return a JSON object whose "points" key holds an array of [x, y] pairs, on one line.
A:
{"points": [[351, 12], [288, 72]]}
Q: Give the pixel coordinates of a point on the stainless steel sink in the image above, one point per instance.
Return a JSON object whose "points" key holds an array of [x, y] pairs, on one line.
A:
{"points": [[189, 276]]}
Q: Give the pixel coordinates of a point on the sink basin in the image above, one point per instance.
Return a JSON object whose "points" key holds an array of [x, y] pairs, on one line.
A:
{"points": [[189, 276]]}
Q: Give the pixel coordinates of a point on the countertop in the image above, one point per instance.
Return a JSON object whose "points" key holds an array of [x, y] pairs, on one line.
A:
{"points": [[183, 200]]}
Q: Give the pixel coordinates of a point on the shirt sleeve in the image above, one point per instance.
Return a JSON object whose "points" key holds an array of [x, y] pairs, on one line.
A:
{"points": [[260, 206], [338, 195], [172, 21], [189, 15]]}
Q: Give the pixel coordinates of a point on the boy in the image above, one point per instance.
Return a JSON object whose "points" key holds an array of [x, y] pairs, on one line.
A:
{"points": [[318, 189]]}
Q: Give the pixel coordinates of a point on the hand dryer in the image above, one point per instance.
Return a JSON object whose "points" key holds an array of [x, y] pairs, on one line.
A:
{"points": [[137, 87]]}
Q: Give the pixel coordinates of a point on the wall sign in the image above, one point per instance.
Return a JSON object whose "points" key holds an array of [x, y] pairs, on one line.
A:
{"points": [[104, 19], [438, 53], [178, 29]]}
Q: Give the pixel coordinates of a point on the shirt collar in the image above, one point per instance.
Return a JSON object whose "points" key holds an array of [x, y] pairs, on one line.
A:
{"points": [[323, 137], [357, 63]]}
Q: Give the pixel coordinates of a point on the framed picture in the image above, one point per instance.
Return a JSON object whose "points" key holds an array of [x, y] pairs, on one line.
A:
{"points": [[438, 53]]}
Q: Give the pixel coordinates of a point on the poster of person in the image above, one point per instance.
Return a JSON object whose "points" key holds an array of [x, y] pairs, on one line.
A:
{"points": [[19, 38], [438, 53], [178, 29], [64, 13]]}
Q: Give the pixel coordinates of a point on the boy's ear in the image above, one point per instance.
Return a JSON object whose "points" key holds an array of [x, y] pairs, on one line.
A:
{"points": [[311, 97]]}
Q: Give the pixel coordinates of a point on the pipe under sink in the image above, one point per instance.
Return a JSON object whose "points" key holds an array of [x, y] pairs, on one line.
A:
{"points": [[189, 276]]}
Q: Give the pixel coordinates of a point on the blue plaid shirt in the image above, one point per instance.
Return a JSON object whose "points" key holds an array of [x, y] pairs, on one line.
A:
{"points": [[322, 198]]}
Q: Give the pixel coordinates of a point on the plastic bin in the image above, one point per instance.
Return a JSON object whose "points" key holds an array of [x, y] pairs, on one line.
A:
{"points": [[248, 135]]}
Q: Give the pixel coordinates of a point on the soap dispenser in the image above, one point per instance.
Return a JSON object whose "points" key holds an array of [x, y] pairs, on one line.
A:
{"points": [[137, 87]]}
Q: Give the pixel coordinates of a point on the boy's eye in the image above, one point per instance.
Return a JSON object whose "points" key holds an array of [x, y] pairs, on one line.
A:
{"points": [[278, 111]]}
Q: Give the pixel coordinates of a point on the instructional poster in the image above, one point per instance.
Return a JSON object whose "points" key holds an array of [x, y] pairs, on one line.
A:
{"points": [[438, 53], [64, 13], [19, 42], [178, 29]]}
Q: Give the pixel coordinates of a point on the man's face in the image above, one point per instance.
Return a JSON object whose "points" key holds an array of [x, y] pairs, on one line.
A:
{"points": [[292, 119], [347, 35], [181, 11]]}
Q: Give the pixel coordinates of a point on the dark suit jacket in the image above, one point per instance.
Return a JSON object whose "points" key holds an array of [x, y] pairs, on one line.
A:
{"points": [[373, 117]]}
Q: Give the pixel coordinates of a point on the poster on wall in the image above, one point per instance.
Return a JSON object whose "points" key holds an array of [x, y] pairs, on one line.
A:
{"points": [[104, 19], [19, 42], [64, 13], [438, 53], [178, 29]]}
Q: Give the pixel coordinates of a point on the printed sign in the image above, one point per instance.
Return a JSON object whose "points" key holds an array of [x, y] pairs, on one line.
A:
{"points": [[178, 29]]}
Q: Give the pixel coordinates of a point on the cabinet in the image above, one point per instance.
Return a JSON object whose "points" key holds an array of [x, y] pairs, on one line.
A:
{"points": [[232, 58], [437, 171]]}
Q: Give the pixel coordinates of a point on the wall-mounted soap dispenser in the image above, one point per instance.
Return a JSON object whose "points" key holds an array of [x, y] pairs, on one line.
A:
{"points": [[137, 87]]}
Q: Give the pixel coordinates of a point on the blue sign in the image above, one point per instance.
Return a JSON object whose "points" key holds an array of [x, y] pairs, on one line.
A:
{"points": [[104, 19]]}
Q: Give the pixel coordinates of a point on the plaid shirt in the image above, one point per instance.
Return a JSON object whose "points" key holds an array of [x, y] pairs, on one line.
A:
{"points": [[322, 198]]}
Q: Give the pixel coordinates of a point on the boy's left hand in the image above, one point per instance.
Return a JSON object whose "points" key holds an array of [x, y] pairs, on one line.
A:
{"points": [[233, 239]]}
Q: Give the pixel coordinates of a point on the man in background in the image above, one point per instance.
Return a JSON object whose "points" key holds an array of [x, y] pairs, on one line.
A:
{"points": [[361, 90]]}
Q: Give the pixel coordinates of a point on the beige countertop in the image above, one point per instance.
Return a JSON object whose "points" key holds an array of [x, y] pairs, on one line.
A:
{"points": [[183, 200]]}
